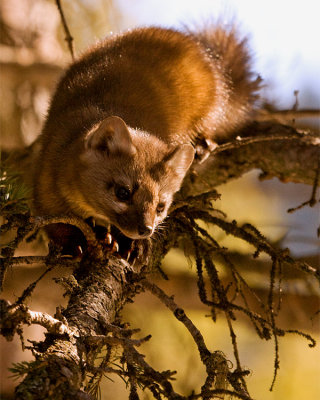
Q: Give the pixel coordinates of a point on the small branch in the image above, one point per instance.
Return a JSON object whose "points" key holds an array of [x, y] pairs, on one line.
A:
{"points": [[151, 375], [68, 38], [15, 315], [28, 291], [112, 340], [202, 201], [283, 116], [51, 324], [182, 317], [261, 245], [119, 331]]}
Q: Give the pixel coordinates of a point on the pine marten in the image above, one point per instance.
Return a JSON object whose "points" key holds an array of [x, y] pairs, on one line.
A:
{"points": [[120, 132]]}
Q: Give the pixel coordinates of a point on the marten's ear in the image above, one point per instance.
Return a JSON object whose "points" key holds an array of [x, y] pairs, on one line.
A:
{"points": [[180, 160], [112, 136]]}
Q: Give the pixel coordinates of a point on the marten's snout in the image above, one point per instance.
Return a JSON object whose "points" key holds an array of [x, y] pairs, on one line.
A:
{"points": [[145, 230]]}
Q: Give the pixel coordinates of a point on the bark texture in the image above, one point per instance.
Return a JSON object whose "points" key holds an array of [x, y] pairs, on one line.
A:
{"points": [[277, 150]]}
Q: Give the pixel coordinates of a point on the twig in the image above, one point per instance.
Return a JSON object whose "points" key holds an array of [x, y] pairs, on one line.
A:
{"points": [[133, 356], [28, 291], [244, 141], [68, 38], [202, 200], [181, 316], [233, 229], [313, 199], [273, 271], [240, 388], [112, 340]]}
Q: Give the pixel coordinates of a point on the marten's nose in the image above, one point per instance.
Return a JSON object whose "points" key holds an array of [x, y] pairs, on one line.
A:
{"points": [[145, 230]]}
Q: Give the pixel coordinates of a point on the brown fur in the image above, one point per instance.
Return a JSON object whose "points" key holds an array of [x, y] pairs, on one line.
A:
{"points": [[126, 114]]}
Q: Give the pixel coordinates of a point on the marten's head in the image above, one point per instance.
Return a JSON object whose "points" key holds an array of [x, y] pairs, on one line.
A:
{"points": [[128, 177]]}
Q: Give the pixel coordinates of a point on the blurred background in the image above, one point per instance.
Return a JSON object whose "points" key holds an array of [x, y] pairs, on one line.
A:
{"points": [[283, 37]]}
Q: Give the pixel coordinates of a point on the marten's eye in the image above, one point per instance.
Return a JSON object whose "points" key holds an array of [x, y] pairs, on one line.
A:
{"points": [[122, 193], [160, 208]]}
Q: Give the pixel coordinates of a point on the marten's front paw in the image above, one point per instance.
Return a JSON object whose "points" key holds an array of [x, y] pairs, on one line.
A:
{"points": [[112, 244], [113, 241], [123, 247]]}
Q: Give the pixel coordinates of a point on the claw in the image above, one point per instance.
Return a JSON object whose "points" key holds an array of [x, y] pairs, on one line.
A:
{"points": [[127, 255], [109, 238], [115, 247], [78, 252]]}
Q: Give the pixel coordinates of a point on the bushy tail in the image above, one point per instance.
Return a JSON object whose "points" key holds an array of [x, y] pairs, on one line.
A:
{"points": [[236, 86], [231, 53]]}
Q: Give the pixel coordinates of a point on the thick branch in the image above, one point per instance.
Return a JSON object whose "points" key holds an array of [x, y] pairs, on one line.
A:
{"points": [[282, 116], [278, 150], [102, 290]]}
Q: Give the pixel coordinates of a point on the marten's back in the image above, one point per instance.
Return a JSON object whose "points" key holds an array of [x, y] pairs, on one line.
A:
{"points": [[155, 79]]}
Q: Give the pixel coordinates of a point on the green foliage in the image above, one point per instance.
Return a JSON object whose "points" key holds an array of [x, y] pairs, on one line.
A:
{"points": [[22, 368], [13, 193]]}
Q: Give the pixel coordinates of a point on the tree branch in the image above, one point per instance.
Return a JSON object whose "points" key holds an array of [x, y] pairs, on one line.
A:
{"points": [[278, 150]]}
